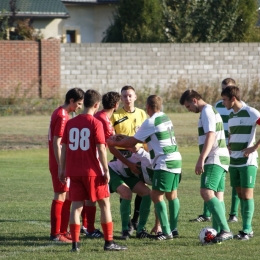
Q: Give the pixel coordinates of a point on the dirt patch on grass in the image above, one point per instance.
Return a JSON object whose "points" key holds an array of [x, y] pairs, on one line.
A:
{"points": [[22, 142]]}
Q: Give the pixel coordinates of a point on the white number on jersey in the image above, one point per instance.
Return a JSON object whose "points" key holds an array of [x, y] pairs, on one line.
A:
{"points": [[170, 130], [79, 139]]}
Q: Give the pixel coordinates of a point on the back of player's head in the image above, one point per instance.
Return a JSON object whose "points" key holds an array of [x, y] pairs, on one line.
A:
{"points": [[91, 97], [75, 93], [110, 99], [228, 82], [127, 88], [231, 91], [188, 95], [154, 102]]}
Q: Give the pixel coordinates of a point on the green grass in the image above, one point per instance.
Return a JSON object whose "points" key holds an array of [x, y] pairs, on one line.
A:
{"points": [[26, 195], [32, 131]]}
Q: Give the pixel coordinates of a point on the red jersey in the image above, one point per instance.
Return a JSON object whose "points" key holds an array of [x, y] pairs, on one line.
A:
{"points": [[59, 118], [82, 134], [108, 128]]}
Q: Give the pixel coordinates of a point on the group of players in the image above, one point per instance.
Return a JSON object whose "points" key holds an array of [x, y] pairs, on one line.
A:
{"points": [[146, 153]]}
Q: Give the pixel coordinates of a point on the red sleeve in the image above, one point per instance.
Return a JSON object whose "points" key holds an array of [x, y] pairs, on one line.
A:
{"points": [[64, 139], [99, 133], [60, 125], [258, 121], [108, 129]]}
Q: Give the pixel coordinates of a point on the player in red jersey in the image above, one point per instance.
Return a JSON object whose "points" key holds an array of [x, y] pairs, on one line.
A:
{"points": [[60, 208], [110, 102], [84, 156]]}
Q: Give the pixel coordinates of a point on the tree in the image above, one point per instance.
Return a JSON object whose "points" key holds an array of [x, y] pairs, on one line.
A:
{"points": [[136, 21], [184, 21], [3, 24], [245, 29], [209, 20]]}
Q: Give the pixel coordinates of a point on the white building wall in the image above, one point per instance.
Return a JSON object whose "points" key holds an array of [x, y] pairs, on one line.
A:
{"points": [[90, 21]]}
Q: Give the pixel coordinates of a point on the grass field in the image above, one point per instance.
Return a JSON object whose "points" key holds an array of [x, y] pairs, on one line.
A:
{"points": [[26, 194]]}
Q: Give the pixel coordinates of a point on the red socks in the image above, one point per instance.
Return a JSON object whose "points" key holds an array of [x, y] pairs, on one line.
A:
{"points": [[56, 209], [75, 232], [65, 216], [107, 230]]}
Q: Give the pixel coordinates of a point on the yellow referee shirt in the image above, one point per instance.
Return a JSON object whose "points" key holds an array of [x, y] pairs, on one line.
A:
{"points": [[127, 123]]}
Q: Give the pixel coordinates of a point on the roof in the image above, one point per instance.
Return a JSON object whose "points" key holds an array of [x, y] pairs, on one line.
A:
{"points": [[90, 1], [37, 8]]}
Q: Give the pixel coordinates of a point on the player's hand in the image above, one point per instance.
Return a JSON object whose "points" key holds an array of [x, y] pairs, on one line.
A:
{"points": [[156, 229], [199, 169], [134, 168], [62, 176], [133, 149], [248, 150], [110, 141], [107, 176]]}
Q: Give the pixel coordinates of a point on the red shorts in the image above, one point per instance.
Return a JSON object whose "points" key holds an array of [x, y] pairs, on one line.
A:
{"points": [[57, 185], [88, 188]]}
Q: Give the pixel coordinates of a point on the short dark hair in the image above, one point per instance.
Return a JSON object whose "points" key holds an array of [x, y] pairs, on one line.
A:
{"points": [[110, 99], [91, 97], [154, 102], [228, 82], [127, 88], [75, 93], [188, 95], [231, 91]]}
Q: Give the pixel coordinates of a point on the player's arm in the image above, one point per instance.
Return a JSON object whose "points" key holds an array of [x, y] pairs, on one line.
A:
{"points": [[253, 148], [209, 141], [125, 142], [132, 166], [57, 148], [62, 164], [102, 152]]}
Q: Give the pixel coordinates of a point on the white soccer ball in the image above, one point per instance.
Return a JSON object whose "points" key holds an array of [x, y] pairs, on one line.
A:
{"points": [[206, 235]]}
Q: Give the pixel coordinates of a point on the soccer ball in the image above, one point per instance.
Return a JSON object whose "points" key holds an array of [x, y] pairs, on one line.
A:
{"points": [[206, 235]]}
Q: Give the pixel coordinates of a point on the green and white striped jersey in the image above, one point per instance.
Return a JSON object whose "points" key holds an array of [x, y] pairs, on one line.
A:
{"points": [[224, 113], [157, 131], [143, 159], [242, 129], [211, 121]]}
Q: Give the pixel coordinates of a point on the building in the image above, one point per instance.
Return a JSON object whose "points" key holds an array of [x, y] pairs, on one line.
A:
{"points": [[73, 21]]}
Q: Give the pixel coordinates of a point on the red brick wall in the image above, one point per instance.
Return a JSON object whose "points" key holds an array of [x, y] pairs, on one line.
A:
{"points": [[50, 67], [20, 68]]}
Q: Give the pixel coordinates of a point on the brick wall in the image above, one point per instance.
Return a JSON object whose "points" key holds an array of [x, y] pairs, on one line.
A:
{"points": [[111, 66], [50, 68], [22, 63]]}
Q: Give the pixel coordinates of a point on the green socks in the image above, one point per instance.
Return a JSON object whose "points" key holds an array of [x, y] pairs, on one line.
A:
{"points": [[218, 214], [234, 202], [248, 212], [144, 212], [161, 212], [125, 210], [174, 207], [206, 212]]}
